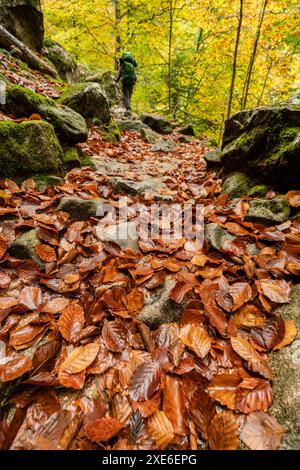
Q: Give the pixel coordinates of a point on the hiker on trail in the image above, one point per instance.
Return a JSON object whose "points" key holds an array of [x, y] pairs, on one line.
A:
{"points": [[128, 74]]}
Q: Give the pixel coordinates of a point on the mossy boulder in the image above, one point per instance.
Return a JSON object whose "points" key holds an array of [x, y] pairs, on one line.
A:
{"points": [[71, 158], [213, 160], [80, 209], [265, 143], [23, 102], [237, 185], [149, 136], [158, 124], [108, 85], [268, 211], [24, 19], [286, 385], [111, 132], [259, 190], [132, 125], [62, 61], [187, 130], [28, 148], [89, 100], [24, 248]]}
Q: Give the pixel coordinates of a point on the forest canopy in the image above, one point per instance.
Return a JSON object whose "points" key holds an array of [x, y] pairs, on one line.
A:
{"points": [[199, 61]]}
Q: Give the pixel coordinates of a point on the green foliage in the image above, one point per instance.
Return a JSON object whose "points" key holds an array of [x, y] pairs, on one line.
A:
{"points": [[184, 70]]}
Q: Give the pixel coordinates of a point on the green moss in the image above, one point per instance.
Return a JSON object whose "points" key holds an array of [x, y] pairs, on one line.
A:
{"points": [[71, 158], [23, 102], [258, 191], [237, 185], [111, 132], [69, 91], [28, 148], [87, 161]]}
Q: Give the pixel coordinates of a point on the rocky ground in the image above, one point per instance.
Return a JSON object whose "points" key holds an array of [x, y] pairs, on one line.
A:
{"points": [[134, 344]]}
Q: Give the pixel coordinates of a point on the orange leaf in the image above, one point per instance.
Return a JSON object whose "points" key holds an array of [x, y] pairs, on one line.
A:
{"points": [[161, 429], [223, 432], [262, 431], [196, 339], [46, 253], [14, 366], [102, 429], [80, 358], [71, 322], [290, 334]]}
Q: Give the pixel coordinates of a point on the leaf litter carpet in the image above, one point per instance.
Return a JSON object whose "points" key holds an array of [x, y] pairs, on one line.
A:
{"points": [[79, 371]]}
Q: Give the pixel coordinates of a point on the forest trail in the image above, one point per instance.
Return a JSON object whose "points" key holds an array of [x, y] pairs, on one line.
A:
{"points": [[135, 344]]}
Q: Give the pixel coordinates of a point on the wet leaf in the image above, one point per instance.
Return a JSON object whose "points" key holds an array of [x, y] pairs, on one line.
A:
{"points": [[223, 432], [80, 358], [14, 366], [114, 335], [102, 429], [46, 253], [71, 322], [196, 339], [160, 428], [275, 290], [289, 336], [145, 381], [262, 432]]}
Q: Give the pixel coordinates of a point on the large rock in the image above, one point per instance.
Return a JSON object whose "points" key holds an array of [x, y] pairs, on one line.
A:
{"points": [[29, 148], [62, 61], [80, 209], [158, 124], [69, 125], [89, 100], [237, 185], [268, 211], [286, 386], [24, 19], [24, 248], [159, 308], [265, 143], [149, 136], [134, 125], [108, 85]]}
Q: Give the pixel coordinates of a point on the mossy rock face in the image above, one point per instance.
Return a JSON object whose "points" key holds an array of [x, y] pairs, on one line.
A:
{"points": [[134, 125], [268, 211], [69, 125], [286, 385], [24, 248], [237, 185], [89, 100], [62, 61], [158, 124], [108, 85], [111, 132], [80, 209], [259, 190], [265, 143], [188, 130], [149, 136], [29, 148], [24, 19], [71, 158]]}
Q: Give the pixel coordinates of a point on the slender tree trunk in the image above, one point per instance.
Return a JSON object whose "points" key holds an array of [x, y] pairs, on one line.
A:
{"points": [[265, 83], [26, 54], [171, 18], [235, 56], [253, 55], [118, 45]]}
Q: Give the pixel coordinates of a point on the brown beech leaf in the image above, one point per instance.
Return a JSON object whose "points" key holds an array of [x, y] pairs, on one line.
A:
{"points": [[80, 358], [3, 246], [216, 316], [102, 429], [56, 305], [293, 198], [74, 381], [175, 352], [249, 316], [24, 334], [196, 339], [148, 407], [289, 336], [121, 409], [241, 293], [254, 361], [135, 301], [161, 429], [254, 399], [8, 302], [174, 406], [201, 411], [262, 431], [145, 381], [46, 253], [114, 335], [223, 432], [14, 366], [31, 297], [44, 353], [276, 290], [271, 334], [223, 388], [71, 322]]}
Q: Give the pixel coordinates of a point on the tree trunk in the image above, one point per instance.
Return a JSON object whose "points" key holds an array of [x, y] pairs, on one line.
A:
{"points": [[171, 17], [118, 46], [253, 56], [26, 54], [235, 56]]}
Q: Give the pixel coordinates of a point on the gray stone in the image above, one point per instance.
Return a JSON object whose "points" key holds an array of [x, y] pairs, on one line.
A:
{"points": [[159, 308], [62, 61], [46, 181], [69, 125], [237, 185], [24, 19], [108, 85], [158, 124], [89, 100], [132, 125], [286, 386], [149, 136], [29, 148], [124, 234], [24, 248], [265, 143], [268, 211], [81, 209], [188, 130], [139, 188], [164, 146], [213, 160], [216, 235]]}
